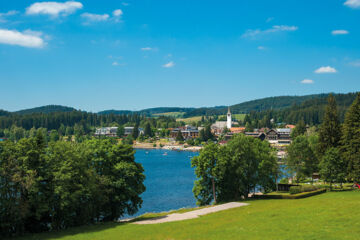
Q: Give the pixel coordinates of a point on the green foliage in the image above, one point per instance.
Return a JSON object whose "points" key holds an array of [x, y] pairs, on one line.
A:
{"points": [[301, 159], [351, 140], [295, 189], [120, 131], [135, 132], [66, 184], [148, 132], [300, 129], [209, 168], [241, 165], [303, 188], [129, 140], [179, 136], [333, 167], [330, 131]]}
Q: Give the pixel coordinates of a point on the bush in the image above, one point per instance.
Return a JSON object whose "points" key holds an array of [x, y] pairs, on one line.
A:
{"points": [[295, 189], [302, 188], [293, 196]]}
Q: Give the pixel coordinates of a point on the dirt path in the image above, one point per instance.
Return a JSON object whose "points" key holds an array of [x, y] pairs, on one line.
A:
{"points": [[192, 214]]}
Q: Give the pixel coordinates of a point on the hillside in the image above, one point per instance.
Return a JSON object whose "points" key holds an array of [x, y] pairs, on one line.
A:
{"points": [[150, 111], [269, 103], [46, 109]]}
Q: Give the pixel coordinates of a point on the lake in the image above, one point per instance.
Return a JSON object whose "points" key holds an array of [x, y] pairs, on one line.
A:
{"points": [[169, 180]]}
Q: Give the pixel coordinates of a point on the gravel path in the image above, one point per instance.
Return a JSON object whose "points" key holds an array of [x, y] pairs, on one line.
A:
{"points": [[192, 214]]}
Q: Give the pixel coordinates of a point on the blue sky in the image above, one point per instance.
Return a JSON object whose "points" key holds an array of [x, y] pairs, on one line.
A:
{"points": [[96, 55]]}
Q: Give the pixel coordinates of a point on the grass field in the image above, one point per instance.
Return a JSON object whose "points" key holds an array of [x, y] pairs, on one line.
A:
{"points": [[190, 119], [170, 114], [334, 215]]}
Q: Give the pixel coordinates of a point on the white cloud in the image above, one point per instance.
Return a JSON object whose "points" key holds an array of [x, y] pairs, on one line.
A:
{"points": [[261, 48], [252, 33], [91, 17], [54, 9], [352, 3], [146, 49], [27, 38], [327, 69], [340, 32], [125, 3], [307, 81], [169, 64], [269, 19], [6, 14], [9, 13], [117, 12]]}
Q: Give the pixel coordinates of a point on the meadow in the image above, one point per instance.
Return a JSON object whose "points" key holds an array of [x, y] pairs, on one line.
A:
{"points": [[332, 215]]}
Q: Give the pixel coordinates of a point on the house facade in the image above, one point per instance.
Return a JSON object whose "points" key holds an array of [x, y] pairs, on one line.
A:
{"points": [[106, 131], [186, 131]]}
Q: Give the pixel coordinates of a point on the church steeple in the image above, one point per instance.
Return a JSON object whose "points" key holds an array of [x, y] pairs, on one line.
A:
{"points": [[228, 119]]}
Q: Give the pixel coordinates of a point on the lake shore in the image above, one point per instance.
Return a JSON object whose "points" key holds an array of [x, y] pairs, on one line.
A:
{"points": [[167, 147]]}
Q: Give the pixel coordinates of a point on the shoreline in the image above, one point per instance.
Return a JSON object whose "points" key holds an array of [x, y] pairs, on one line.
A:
{"points": [[170, 148]]}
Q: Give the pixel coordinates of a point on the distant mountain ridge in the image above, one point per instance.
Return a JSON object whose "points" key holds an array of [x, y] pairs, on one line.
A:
{"points": [[46, 109], [268, 103]]}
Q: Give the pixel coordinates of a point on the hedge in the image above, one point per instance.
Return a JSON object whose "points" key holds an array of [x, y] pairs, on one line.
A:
{"points": [[302, 188], [293, 196]]}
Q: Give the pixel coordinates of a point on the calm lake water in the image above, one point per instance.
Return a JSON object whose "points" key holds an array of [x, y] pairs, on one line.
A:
{"points": [[169, 180]]}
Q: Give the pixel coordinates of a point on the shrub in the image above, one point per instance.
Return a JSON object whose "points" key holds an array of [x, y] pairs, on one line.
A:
{"points": [[295, 189], [303, 188]]}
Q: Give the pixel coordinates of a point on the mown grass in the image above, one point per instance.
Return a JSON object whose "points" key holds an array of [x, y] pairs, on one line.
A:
{"points": [[333, 215], [170, 114], [190, 119]]}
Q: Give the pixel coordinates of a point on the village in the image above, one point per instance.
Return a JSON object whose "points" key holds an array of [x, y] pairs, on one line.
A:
{"points": [[222, 132]]}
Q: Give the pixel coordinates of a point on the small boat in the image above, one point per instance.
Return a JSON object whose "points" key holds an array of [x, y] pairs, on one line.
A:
{"points": [[165, 154], [147, 152]]}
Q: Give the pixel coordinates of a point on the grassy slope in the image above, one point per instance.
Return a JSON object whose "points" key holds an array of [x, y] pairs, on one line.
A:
{"points": [[190, 119], [326, 216]]}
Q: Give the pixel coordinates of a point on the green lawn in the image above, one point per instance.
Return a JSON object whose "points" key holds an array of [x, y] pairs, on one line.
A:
{"points": [[334, 215]]}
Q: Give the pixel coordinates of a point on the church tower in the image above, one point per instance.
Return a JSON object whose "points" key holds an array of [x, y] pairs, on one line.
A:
{"points": [[229, 121]]}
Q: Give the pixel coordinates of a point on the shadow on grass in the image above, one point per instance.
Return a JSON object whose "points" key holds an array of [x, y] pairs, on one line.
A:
{"points": [[69, 232]]}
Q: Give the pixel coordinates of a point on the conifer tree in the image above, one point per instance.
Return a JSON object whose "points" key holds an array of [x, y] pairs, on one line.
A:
{"points": [[135, 132], [300, 129], [351, 140], [330, 131], [147, 131]]}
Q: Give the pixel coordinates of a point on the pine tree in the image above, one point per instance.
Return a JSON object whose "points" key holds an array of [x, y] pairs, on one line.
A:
{"points": [[330, 131], [300, 129], [147, 131], [135, 132], [351, 140]]}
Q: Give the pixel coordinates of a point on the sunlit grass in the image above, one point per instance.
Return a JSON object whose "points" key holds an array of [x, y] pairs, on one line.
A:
{"points": [[333, 215]]}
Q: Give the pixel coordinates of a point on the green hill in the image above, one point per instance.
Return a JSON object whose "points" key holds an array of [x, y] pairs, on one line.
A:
{"points": [[46, 109]]}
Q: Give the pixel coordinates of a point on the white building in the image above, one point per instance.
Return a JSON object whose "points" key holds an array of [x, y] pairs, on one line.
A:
{"points": [[106, 131], [228, 119]]}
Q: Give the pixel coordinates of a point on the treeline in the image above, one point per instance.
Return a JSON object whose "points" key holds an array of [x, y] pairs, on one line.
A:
{"points": [[310, 111], [74, 123], [63, 184], [333, 150]]}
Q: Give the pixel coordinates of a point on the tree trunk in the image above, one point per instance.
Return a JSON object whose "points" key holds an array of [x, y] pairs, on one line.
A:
{"points": [[213, 187]]}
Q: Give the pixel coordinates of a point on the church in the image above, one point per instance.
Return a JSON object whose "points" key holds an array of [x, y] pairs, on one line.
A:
{"points": [[218, 127]]}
